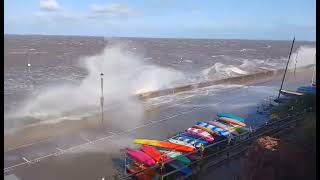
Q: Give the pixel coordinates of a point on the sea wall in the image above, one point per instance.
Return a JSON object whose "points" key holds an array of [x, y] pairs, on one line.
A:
{"points": [[261, 76]]}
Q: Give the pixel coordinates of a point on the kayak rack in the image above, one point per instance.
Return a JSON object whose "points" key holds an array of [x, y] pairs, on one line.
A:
{"points": [[210, 156]]}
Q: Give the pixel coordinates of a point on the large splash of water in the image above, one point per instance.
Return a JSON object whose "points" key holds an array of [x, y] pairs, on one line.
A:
{"points": [[124, 75], [304, 56]]}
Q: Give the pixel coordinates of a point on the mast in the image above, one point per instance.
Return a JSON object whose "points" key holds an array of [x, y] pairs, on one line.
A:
{"points": [[284, 75]]}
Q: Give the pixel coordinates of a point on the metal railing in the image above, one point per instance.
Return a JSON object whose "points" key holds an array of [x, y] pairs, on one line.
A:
{"points": [[269, 128]]}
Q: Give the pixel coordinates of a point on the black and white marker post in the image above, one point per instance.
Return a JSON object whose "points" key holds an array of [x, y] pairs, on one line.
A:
{"points": [[101, 99]]}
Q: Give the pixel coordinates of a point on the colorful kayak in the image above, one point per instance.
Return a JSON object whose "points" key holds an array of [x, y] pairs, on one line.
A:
{"points": [[205, 129], [214, 129], [230, 116], [197, 139], [225, 127], [234, 126], [178, 165], [232, 121], [290, 93], [165, 144], [172, 154], [140, 157], [177, 156], [154, 153], [200, 133], [180, 142], [191, 140]]}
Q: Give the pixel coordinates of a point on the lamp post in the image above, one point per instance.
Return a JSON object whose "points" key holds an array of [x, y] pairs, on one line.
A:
{"points": [[29, 68], [101, 98]]}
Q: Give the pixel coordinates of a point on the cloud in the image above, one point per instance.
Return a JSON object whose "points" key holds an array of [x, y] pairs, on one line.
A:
{"points": [[58, 17], [60, 14], [111, 10], [49, 5]]}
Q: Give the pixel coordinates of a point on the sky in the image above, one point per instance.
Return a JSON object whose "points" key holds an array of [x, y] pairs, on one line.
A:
{"points": [[212, 19]]}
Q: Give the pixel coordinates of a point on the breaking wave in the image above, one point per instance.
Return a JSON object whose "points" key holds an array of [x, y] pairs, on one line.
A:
{"points": [[128, 74], [304, 56], [124, 75]]}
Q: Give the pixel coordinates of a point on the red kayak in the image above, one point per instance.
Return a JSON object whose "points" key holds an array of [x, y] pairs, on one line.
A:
{"points": [[154, 153]]}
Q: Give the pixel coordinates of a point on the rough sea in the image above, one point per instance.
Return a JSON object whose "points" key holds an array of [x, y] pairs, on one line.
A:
{"points": [[51, 76]]}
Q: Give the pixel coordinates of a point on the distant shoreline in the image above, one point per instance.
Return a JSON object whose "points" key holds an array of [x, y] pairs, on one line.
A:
{"points": [[171, 38]]}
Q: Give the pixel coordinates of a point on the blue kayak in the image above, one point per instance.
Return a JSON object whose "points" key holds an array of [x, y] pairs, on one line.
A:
{"points": [[215, 129], [306, 92], [191, 140], [230, 116], [189, 136], [307, 89]]}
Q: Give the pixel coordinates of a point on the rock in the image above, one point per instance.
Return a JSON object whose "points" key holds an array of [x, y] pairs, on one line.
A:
{"points": [[270, 159]]}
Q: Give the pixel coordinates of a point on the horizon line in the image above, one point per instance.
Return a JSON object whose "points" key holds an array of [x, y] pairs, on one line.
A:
{"points": [[75, 35]]}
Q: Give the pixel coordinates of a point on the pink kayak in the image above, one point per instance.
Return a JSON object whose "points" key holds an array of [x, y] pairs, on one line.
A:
{"points": [[200, 133], [140, 156]]}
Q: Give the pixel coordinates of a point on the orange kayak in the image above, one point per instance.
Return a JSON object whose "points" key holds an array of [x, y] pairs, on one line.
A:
{"points": [[165, 144], [232, 121]]}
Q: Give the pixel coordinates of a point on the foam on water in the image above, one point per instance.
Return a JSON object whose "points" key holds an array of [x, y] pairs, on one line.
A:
{"points": [[220, 70]]}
